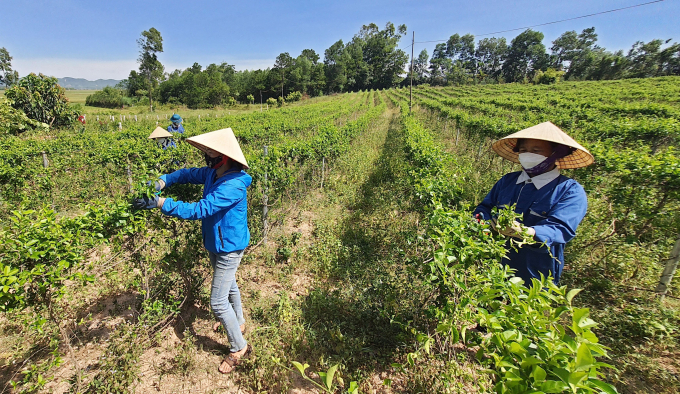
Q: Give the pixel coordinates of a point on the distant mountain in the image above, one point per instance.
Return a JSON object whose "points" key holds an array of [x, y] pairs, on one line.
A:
{"points": [[84, 84]]}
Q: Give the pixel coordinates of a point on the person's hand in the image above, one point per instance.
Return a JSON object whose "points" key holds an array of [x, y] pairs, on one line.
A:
{"points": [[158, 185], [515, 230], [147, 202]]}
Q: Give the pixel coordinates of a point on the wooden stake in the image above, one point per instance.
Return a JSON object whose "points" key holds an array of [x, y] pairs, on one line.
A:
{"points": [[669, 270]]}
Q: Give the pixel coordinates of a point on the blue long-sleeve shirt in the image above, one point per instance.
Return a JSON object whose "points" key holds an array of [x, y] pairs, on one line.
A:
{"points": [[554, 211], [171, 129], [223, 210]]}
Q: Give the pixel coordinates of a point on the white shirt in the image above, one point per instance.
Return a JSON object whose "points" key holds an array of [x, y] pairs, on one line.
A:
{"points": [[539, 180]]}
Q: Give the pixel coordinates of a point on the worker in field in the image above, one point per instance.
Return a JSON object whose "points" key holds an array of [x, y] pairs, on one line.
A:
{"points": [[551, 204], [162, 138], [176, 125], [223, 213]]}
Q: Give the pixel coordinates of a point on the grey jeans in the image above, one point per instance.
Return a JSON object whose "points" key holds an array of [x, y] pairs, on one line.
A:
{"points": [[225, 298]]}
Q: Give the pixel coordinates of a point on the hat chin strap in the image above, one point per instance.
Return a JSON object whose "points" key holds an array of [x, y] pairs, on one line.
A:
{"points": [[221, 162]]}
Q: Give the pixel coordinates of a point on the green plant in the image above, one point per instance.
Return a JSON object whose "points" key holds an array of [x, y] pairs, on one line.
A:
{"points": [[42, 99], [108, 97], [34, 376], [327, 378], [118, 368], [14, 121]]}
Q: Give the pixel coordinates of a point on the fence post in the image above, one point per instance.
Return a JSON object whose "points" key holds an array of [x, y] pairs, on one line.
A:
{"points": [[323, 170], [135, 118], [120, 126], [265, 202], [97, 118], [199, 118], [669, 270], [46, 162], [129, 176]]}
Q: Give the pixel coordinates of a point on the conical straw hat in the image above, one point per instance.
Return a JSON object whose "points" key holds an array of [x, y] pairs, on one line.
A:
{"points": [[160, 133], [222, 141], [548, 132]]}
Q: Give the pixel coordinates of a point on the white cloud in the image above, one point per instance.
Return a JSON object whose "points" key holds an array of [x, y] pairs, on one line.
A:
{"points": [[109, 69]]}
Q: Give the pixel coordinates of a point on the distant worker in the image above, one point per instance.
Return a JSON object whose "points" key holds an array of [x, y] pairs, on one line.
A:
{"points": [[162, 138], [223, 211], [552, 204], [176, 126]]}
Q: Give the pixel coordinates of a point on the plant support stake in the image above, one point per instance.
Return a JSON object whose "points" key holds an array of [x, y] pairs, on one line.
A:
{"points": [[410, 89], [323, 170], [669, 270], [265, 201]]}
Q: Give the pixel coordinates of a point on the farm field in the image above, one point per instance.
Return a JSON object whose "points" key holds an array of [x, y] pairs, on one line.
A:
{"points": [[372, 264]]}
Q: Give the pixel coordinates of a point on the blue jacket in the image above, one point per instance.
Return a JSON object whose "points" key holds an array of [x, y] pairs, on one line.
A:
{"points": [[223, 208], [554, 211], [179, 129]]}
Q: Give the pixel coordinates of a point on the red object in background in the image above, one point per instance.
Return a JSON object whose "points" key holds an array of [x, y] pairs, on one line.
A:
{"points": [[81, 119]]}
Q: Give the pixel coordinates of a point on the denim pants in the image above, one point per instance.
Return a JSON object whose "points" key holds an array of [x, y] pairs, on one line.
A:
{"points": [[225, 298]]}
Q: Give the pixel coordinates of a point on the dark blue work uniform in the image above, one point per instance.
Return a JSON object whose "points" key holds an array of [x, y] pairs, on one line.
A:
{"points": [[554, 210]]}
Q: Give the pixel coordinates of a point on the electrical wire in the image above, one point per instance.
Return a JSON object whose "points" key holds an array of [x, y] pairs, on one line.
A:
{"points": [[553, 22]]}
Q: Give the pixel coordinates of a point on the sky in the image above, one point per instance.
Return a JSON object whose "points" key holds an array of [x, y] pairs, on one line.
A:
{"points": [[97, 39]]}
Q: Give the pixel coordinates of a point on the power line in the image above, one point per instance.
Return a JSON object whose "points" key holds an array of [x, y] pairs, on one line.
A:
{"points": [[553, 22]]}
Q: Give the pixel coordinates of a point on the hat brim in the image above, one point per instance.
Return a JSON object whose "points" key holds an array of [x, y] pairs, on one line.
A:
{"points": [[160, 132], [222, 141], [547, 131]]}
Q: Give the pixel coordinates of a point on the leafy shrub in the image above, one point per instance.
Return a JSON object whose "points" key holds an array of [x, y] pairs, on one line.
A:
{"points": [[294, 96], [250, 98], [42, 99], [548, 76], [14, 121], [271, 101], [280, 101], [106, 98]]}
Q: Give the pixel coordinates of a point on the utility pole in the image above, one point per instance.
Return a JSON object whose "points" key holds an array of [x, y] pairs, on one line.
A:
{"points": [[410, 90]]}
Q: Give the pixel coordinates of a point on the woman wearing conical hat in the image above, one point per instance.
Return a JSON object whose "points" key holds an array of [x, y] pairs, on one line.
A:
{"points": [[223, 212], [552, 204], [162, 138]]}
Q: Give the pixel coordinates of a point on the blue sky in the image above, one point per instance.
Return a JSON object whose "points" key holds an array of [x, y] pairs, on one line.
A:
{"points": [[97, 39]]}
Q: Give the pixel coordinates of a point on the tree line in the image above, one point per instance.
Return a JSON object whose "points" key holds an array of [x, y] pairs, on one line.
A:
{"points": [[370, 60], [373, 60], [573, 56]]}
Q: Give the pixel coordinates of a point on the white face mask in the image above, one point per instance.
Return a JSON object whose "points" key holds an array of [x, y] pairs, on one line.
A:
{"points": [[160, 141], [530, 160]]}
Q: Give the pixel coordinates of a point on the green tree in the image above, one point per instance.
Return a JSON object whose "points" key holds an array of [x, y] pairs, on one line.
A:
{"points": [[8, 77], [283, 62], [461, 50], [525, 56], [650, 60], [575, 53], [335, 67], [490, 56], [42, 99], [150, 44], [420, 67], [385, 62], [609, 66], [440, 64]]}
